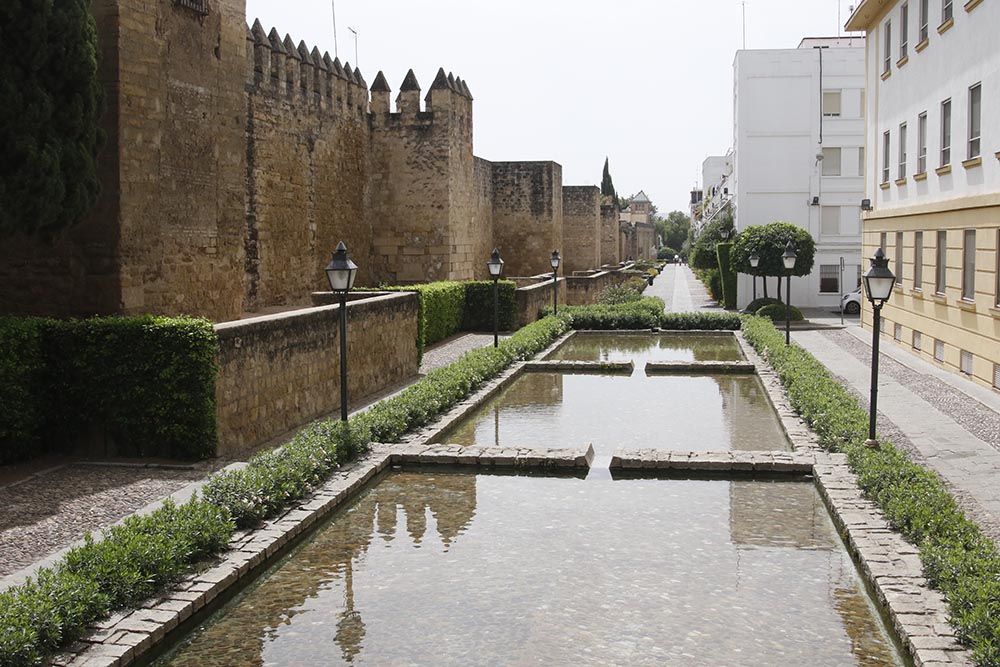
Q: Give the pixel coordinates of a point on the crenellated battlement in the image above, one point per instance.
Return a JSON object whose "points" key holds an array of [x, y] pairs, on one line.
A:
{"points": [[293, 73]]}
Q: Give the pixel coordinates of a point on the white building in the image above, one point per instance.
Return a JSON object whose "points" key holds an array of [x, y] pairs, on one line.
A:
{"points": [[934, 175], [799, 132], [716, 174]]}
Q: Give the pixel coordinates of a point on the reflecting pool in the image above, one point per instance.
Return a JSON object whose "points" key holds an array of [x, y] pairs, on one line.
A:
{"points": [[641, 348], [688, 413], [439, 568]]}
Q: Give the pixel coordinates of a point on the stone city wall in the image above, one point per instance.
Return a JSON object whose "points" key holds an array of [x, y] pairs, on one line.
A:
{"points": [[610, 235], [278, 372], [586, 290], [581, 227], [532, 298], [527, 214]]}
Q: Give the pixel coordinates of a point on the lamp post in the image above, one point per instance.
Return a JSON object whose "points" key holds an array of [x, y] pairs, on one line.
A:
{"points": [[555, 260], [495, 265], [754, 263], [341, 272], [879, 281], [789, 257]]}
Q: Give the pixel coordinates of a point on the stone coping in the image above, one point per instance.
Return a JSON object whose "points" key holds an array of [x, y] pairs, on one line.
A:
{"points": [[656, 332], [890, 565], [290, 318], [682, 367], [558, 366]]}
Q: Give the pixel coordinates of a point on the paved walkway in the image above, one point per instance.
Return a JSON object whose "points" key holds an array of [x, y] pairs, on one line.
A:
{"points": [[680, 290], [941, 419]]}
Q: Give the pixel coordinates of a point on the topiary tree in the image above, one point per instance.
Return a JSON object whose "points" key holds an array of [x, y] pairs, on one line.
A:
{"points": [[768, 242], [703, 255], [50, 102]]}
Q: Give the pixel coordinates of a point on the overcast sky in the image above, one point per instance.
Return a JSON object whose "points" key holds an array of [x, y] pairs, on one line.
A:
{"points": [[647, 83]]}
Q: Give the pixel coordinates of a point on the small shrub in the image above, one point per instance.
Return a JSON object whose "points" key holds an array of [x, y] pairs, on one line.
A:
{"points": [[777, 312], [702, 321], [759, 303], [625, 293]]}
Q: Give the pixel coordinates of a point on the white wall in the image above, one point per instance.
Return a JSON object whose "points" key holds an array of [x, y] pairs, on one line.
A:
{"points": [[776, 140], [965, 54]]}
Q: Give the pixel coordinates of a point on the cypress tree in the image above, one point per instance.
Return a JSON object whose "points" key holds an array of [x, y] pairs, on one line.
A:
{"points": [[607, 187], [50, 100]]}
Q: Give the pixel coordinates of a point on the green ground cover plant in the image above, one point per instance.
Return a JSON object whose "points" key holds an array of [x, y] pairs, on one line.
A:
{"points": [[958, 558]]}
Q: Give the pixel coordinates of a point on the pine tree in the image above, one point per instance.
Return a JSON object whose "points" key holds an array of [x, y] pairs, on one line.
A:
{"points": [[607, 186], [50, 101]]}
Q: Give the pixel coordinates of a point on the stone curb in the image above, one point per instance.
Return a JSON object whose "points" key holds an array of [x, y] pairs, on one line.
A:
{"points": [[681, 367], [517, 457], [579, 366], [733, 461]]}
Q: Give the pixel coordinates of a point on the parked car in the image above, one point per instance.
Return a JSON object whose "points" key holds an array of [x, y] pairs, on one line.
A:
{"points": [[851, 302]]}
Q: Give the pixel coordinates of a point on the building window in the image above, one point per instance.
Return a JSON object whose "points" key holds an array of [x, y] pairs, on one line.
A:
{"points": [[924, 11], [899, 258], [829, 279], [831, 102], [996, 376], [969, 265], [939, 350], [946, 133], [966, 363], [830, 221], [861, 161], [975, 119], [857, 281], [904, 29], [922, 143], [946, 11], [200, 6], [897, 333], [887, 35], [864, 109], [941, 268], [885, 157], [902, 151], [918, 260], [881, 241], [831, 161], [918, 340], [996, 288]]}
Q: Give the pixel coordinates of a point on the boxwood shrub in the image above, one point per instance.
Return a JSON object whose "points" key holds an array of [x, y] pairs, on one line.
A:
{"points": [[776, 312], [146, 382], [645, 313], [958, 559], [478, 315]]}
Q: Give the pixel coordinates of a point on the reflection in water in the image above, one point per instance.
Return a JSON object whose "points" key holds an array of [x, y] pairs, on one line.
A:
{"points": [[651, 347], [639, 572], [692, 413]]}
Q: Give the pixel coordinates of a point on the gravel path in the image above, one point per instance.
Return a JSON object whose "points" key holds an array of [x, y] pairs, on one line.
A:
{"points": [[450, 350], [54, 509], [972, 415]]}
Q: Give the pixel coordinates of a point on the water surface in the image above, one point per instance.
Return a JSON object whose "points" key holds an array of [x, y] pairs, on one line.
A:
{"points": [[687, 413], [641, 348], [456, 569]]}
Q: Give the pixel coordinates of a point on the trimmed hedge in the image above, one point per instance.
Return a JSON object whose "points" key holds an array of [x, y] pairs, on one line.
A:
{"points": [[958, 559], [646, 313], [132, 562], [776, 312], [478, 314], [147, 382], [760, 302], [727, 275]]}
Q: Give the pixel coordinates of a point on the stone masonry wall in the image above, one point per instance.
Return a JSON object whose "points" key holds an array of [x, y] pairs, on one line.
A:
{"points": [[531, 299], [581, 228], [527, 214], [610, 233], [278, 372]]}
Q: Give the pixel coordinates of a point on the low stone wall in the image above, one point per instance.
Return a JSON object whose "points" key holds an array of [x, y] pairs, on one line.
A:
{"points": [[584, 290], [278, 372], [531, 300]]}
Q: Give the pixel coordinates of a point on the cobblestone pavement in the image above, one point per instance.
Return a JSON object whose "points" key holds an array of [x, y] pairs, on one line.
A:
{"points": [[51, 510], [451, 349], [680, 290], [934, 421]]}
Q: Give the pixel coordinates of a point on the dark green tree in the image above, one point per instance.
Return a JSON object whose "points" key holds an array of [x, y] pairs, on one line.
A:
{"points": [[703, 254], [50, 100], [673, 230], [768, 242], [607, 186]]}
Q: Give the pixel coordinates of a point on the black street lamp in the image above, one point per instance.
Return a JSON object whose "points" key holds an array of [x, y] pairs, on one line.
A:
{"points": [[555, 260], [495, 265], [754, 263], [789, 258], [879, 282], [341, 272]]}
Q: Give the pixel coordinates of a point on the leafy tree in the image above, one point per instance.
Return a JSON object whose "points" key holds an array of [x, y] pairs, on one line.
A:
{"points": [[768, 242], [673, 230], [607, 186], [50, 102], [703, 255]]}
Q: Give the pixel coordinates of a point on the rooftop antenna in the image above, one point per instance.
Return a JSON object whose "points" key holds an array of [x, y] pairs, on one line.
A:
{"points": [[839, 7], [356, 64], [334, 7], [744, 3]]}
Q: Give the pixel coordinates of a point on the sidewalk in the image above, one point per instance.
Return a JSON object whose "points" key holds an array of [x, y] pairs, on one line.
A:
{"points": [[944, 421], [680, 290]]}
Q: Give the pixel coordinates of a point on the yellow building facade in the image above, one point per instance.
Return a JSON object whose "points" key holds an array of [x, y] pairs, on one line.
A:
{"points": [[933, 176]]}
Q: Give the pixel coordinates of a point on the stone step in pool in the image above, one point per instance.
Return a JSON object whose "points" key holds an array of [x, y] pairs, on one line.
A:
{"points": [[441, 567]]}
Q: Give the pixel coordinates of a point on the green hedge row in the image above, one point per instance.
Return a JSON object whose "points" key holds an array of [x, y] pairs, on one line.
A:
{"points": [[727, 275], [646, 313], [958, 558], [148, 383], [448, 307]]}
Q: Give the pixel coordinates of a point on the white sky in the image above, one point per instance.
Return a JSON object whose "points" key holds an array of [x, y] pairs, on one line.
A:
{"points": [[647, 83]]}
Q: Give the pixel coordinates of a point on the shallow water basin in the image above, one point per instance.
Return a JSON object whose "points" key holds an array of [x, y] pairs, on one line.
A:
{"points": [[641, 348]]}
